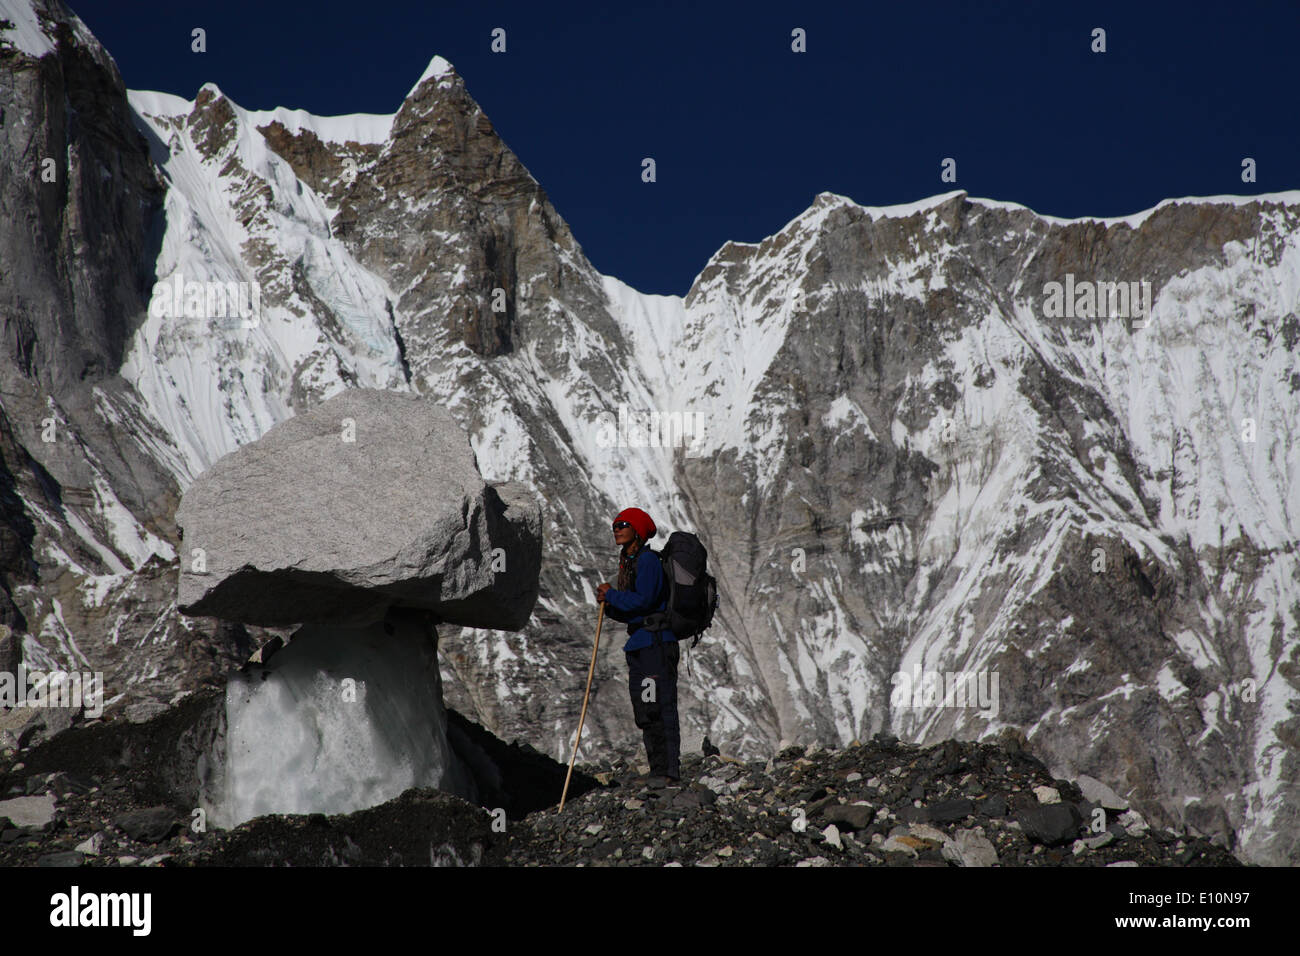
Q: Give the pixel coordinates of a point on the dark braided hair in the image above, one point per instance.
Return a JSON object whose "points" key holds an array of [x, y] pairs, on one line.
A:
{"points": [[627, 565]]}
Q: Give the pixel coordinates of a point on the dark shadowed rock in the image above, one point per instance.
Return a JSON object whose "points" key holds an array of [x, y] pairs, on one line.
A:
{"points": [[420, 828], [148, 826], [950, 811], [63, 858], [850, 816], [1052, 824], [371, 499], [994, 806]]}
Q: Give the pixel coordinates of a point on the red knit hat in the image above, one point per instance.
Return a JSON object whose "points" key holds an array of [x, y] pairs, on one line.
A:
{"points": [[640, 522]]}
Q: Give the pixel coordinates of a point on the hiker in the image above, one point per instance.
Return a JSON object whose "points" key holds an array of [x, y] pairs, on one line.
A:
{"points": [[651, 654]]}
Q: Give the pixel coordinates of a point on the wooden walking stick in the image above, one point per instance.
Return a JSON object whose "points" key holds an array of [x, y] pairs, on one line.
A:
{"points": [[600, 619]]}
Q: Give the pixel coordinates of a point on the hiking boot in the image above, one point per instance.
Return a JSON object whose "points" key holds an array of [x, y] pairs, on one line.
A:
{"points": [[660, 782]]}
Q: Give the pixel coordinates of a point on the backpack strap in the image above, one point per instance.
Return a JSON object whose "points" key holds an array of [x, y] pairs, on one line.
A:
{"points": [[659, 620]]}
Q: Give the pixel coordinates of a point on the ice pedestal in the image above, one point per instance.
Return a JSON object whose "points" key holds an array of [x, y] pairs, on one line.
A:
{"points": [[343, 718]]}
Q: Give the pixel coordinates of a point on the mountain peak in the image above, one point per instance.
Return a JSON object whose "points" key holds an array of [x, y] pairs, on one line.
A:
{"points": [[826, 200], [438, 68], [207, 93]]}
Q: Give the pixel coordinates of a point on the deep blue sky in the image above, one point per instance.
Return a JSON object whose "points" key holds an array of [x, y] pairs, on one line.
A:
{"points": [[746, 132]]}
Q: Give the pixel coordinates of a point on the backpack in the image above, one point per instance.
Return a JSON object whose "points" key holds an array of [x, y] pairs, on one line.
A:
{"points": [[692, 590]]}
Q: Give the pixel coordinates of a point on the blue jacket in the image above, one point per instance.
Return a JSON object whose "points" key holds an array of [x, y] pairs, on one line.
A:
{"points": [[631, 607]]}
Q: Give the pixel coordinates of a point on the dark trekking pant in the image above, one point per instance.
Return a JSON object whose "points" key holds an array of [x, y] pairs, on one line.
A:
{"points": [[657, 717]]}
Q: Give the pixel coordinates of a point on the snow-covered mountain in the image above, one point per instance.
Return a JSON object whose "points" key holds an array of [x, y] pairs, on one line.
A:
{"points": [[903, 459]]}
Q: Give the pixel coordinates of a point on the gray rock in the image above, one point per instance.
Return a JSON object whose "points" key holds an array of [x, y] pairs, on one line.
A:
{"points": [[718, 784], [1097, 792], [28, 726], [1133, 822], [303, 526], [899, 844], [264, 653], [29, 811], [64, 858], [924, 831], [142, 711], [91, 846], [970, 848], [832, 835]]}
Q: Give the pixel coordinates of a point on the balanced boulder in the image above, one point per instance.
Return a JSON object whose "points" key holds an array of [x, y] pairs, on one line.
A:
{"points": [[370, 500]]}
